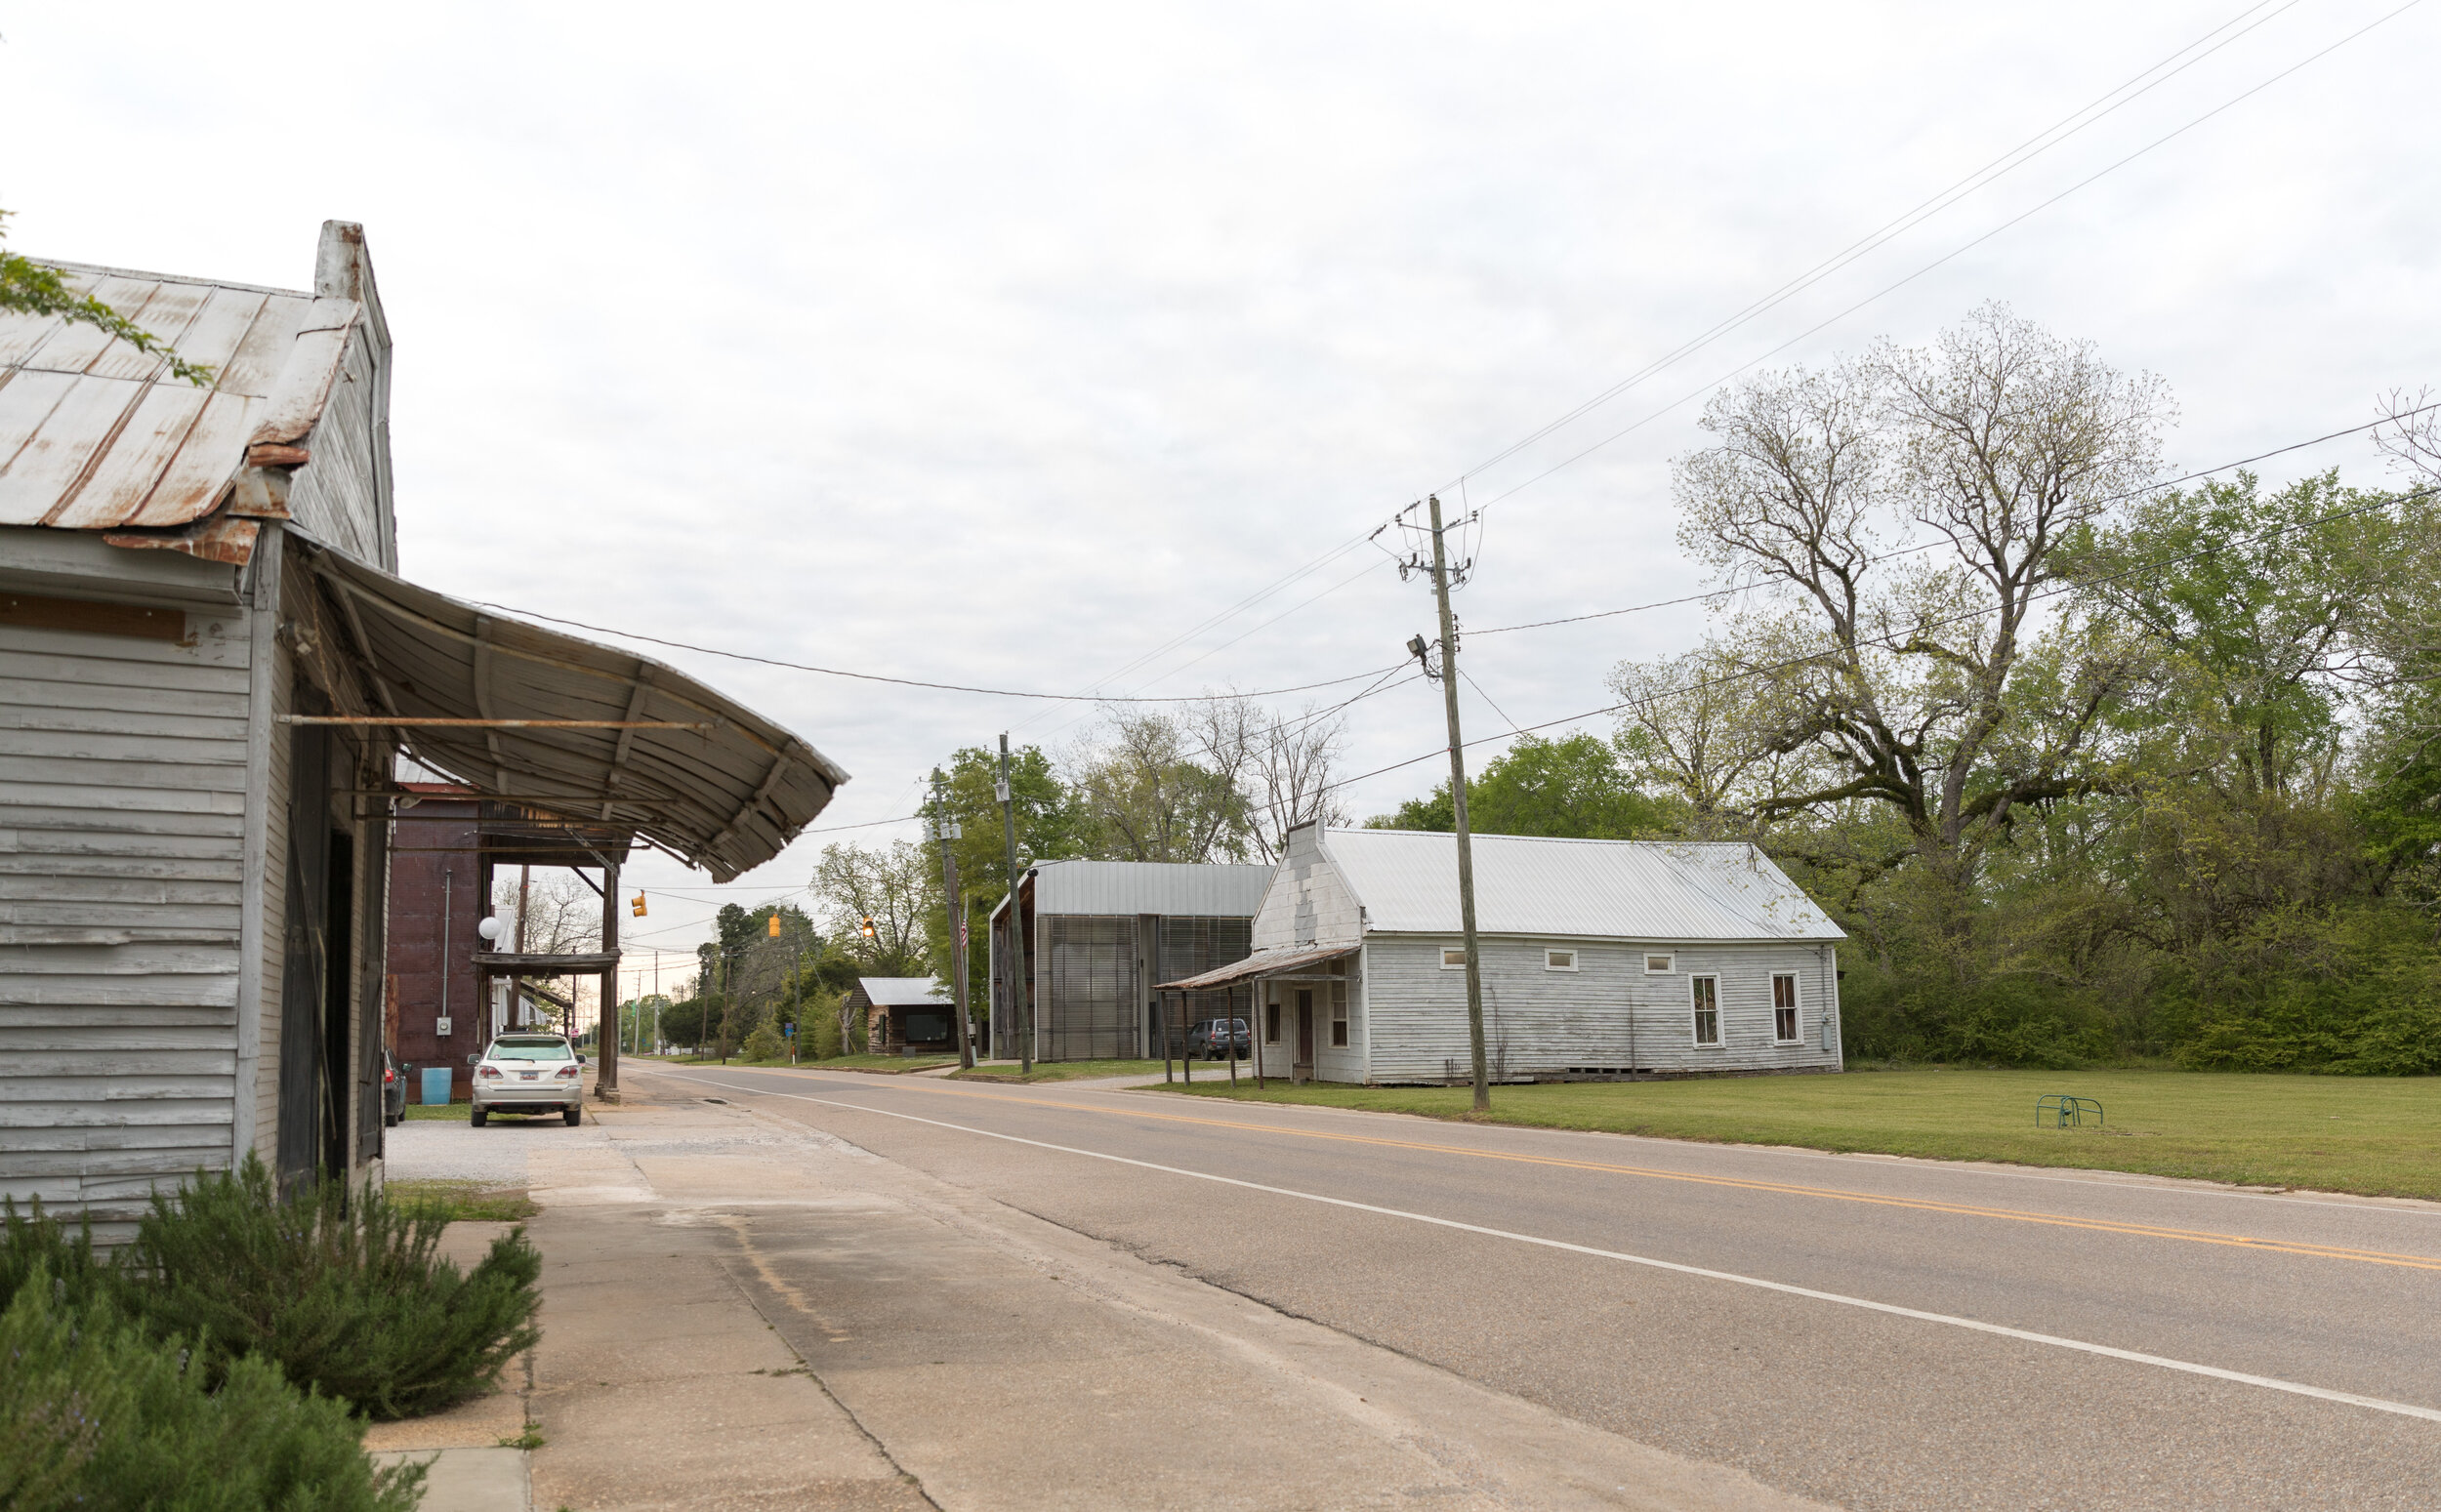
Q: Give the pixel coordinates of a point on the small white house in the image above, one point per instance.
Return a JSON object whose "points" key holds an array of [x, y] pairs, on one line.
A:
{"points": [[1599, 958]]}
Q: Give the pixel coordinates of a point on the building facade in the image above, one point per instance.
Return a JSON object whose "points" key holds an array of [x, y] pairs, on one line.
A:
{"points": [[1598, 959], [1083, 943]]}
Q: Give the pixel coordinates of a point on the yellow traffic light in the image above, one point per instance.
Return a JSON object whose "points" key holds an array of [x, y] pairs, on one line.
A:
{"points": [[866, 928], [775, 926], [637, 906]]}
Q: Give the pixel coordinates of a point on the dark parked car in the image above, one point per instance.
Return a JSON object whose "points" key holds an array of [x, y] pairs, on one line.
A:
{"points": [[393, 1091], [1214, 1038]]}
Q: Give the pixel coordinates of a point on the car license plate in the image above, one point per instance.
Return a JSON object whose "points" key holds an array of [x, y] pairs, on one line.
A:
{"points": [[527, 1075]]}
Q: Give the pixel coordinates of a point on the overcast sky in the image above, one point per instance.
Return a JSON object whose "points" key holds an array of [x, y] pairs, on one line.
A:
{"points": [[1007, 344]]}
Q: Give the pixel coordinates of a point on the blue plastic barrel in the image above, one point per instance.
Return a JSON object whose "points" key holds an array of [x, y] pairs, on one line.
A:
{"points": [[436, 1085]]}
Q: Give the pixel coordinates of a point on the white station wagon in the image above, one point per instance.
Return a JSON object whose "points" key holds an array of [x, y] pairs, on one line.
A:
{"points": [[529, 1074]]}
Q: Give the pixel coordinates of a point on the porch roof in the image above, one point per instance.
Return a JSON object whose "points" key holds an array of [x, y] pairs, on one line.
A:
{"points": [[1262, 963]]}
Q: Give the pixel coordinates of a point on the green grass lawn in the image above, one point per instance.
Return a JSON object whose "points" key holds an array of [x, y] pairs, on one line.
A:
{"points": [[2375, 1135], [1064, 1071], [463, 1201], [876, 1062], [436, 1110]]}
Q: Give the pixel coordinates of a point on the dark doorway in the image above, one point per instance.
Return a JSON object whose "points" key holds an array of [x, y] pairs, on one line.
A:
{"points": [[339, 916], [304, 974], [1304, 1026]]}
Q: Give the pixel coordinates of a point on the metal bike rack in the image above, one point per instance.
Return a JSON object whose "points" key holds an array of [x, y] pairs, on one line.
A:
{"points": [[2058, 1110]]}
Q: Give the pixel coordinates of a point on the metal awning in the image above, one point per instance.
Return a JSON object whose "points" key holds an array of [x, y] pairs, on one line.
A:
{"points": [[1262, 963], [704, 778]]}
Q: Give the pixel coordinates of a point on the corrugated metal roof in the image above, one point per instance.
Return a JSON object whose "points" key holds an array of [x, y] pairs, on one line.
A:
{"points": [[1657, 890], [1262, 963], [97, 435], [903, 991], [725, 798], [1186, 891]]}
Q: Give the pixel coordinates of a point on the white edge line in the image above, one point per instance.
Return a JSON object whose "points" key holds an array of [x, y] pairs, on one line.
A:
{"points": [[2214, 1372]]}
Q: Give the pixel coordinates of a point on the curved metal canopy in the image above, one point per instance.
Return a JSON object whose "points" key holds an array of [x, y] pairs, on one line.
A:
{"points": [[719, 786]]}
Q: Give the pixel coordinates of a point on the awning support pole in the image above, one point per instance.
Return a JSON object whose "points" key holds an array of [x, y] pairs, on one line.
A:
{"points": [[1230, 1023], [1163, 1016], [606, 1029]]}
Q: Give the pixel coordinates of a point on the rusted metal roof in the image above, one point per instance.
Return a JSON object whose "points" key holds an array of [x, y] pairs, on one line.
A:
{"points": [[724, 793], [97, 435], [1648, 890], [1262, 963]]}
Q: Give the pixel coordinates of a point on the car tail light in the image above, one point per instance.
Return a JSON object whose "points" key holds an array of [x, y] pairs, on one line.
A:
{"points": [[570, 1071], [389, 1075], [492, 1072]]}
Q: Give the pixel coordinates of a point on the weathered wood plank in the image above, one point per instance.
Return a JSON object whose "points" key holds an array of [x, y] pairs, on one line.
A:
{"points": [[132, 1088], [179, 698], [19, 862], [216, 660], [165, 1112], [36, 1065], [221, 1017], [114, 831]]}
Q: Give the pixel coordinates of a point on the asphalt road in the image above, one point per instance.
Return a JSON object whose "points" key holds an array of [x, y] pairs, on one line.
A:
{"points": [[1869, 1332]]}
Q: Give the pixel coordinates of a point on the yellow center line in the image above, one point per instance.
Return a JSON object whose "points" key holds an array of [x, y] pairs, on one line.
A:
{"points": [[1778, 1188]]}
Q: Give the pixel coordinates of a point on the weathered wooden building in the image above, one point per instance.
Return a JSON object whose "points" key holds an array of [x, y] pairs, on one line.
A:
{"points": [[193, 874], [904, 1015], [1598, 959], [1087, 940]]}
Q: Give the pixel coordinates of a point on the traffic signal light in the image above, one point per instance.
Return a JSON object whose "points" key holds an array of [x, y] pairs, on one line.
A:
{"points": [[775, 926], [867, 930], [636, 907]]}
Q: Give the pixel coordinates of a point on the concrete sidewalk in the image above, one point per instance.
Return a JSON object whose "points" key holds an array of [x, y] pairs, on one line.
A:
{"points": [[740, 1311]]}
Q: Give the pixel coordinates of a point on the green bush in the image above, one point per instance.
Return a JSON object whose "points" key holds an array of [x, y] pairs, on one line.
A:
{"points": [[94, 1415], [765, 1043], [341, 1290]]}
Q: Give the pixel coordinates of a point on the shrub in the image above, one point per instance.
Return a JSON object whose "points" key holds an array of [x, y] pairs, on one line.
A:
{"points": [[765, 1043], [97, 1415], [341, 1290]]}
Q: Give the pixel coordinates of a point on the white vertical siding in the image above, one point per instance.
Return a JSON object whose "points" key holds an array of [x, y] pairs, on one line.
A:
{"points": [[1608, 1013], [122, 796]]}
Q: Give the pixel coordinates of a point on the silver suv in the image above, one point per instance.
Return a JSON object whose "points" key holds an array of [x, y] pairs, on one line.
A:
{"points": [[529, 1074]]}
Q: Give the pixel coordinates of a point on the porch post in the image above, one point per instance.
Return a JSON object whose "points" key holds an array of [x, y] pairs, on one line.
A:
{"points": [[606, 1034], [1230, 1023]]}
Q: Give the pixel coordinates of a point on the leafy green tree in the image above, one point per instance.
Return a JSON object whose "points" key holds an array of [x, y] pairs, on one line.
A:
{"points": [[1572, 787], [38, 289]]}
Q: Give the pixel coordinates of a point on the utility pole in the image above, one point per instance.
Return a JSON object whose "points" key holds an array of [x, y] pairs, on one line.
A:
{"points": [[1020, 1006], [1458, 810], [953, 907]]}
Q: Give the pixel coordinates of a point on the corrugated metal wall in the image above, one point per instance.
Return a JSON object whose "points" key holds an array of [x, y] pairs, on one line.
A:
{"points": [[1092, 969], [122, 798]]}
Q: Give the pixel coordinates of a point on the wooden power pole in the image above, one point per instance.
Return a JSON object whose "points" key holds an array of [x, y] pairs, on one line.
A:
{"points": [[1458, 810], [1021, 1005]]}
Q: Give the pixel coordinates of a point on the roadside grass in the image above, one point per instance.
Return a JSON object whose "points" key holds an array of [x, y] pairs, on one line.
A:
{"points": [[463, 1201], [2377, 1136], [1065, 1071], [436, 1110], [876, 1062]]}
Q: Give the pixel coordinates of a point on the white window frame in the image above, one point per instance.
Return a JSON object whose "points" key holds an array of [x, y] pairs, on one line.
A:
{"points": [[1274, 1018], [1550, 964], [1340, 1036], [1458, 951], [1694, 1015], [1797, 1006], [1668, 962]]}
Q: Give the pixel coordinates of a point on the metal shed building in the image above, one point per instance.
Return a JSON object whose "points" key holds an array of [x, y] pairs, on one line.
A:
{"points": [[1089, 939], [194, 871], [1598, 957]]}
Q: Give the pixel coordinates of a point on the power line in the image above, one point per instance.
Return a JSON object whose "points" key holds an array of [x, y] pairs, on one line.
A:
{"points": [[1910, 550], [909, 683], [2008, 162], [1947, 257], [1892, 643]]}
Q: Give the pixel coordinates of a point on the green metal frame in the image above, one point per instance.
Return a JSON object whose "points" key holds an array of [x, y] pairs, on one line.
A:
{"points": [[2059, 1110]]}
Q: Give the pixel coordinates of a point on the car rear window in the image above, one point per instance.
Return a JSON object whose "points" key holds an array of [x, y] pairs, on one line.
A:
{"points": [[531, 1049]]}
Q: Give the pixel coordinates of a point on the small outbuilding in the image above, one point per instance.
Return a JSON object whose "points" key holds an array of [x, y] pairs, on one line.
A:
{"points": [[1087, 940], [904, 1015], [1599, 958]]}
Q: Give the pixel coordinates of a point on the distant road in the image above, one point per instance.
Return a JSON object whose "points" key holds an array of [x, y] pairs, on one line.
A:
{"points": [[1870, 1332]]}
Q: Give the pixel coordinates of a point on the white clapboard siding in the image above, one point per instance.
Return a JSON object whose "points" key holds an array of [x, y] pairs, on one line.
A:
{"points": [[1549, 1022], [122, 798]]}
